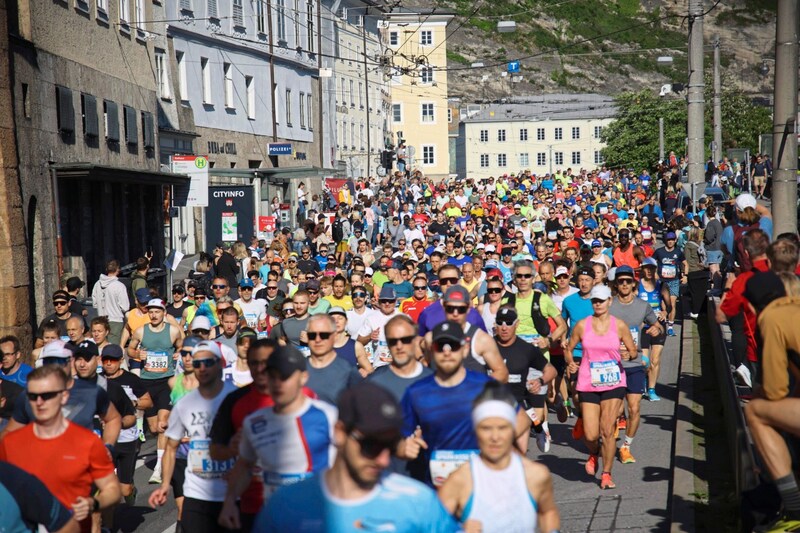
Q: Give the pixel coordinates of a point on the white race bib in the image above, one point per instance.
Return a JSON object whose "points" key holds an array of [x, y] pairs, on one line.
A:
{"points": [[156, 362], [445, 462], [668, 271], [201, 464], [251, 319], [604, 373], [380, 354]]}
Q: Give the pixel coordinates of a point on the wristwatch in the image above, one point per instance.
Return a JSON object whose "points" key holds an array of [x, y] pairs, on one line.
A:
{"points": [[541, 382]]}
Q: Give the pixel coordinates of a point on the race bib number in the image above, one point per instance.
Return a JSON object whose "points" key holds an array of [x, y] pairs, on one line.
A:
{"points": [[305, 350], [64, 338], [668, 271], [380, 354], [530, 339], [251, 319], [551, 235], [201, 464], [445, 462], [604, 373], [156, 362], [262, 335], [635, 335]]}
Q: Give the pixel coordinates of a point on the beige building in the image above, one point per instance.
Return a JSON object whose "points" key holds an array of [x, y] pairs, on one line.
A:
{"points": [[419, 86], [539, 133]]}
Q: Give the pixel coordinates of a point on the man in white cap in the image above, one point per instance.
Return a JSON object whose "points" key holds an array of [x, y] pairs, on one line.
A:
{"points": [[372, 333], [749, 215]]}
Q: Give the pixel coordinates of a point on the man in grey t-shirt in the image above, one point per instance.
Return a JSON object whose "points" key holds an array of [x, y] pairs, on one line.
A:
{"points": [[293, 330], [634, 312]]}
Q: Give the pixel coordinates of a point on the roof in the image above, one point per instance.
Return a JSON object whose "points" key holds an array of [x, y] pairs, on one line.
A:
{"points": [[544, 107]]}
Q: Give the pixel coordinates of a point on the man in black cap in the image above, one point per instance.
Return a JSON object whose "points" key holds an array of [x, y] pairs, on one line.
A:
{"points": [[178, 305], [61, 301], [354, 492], [73, 286], [302, 426]]}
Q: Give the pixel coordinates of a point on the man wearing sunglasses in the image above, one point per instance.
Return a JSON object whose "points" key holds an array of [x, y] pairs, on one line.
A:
{"points": [[66, 457], [204, 486], [358, 315], [61, 301], [290, 438], [251, 307], [635, 312], [372, 333], [292, 330], [316, 304], [328, 374], [355, 490], [434, 314], [418, 301]]}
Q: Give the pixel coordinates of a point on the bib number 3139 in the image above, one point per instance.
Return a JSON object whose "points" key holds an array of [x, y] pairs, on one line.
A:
{"points": [[604, 373]]}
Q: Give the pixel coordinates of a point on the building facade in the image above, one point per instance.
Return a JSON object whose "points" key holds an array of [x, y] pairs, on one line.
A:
{"points": [[542, 134], [418, 82]]}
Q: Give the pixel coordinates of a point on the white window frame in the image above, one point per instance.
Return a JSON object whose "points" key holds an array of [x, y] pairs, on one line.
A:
{"points": [[139, 15], [296, 16], [502, 160], [426, 38], [394, 38], [484, 136], [598, 157], [558, 134], [361, 131], [429, 118], [424, 148], [183, 84], [352, 135], [261, 17], [397, 109], [102, 8], [541, 159], [227, 73], [162, 74], [576, 132], [352, 94], [598, 131], [523, 134], [361, 95], [426, 75], [280, 20], [558, 158], [205, 71], [501, 135], [237, 13], [124, 12], [576, 158], [540, 135], [302, 102], [288, 103], [484, 160], [524, 160], [250, 87], [310, 112], [310, 42]]}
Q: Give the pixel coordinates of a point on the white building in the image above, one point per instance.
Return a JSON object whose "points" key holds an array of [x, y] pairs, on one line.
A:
{"points": [[537, 133]]}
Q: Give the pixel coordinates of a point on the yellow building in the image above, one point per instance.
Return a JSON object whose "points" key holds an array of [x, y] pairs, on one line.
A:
{"points": [[419, 87]]}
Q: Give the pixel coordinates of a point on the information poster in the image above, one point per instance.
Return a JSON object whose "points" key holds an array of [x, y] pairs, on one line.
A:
{"points": [[229, 227], [196, 167]]}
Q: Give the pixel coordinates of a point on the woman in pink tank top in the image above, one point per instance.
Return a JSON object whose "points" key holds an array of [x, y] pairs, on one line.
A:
{"points": [[601, 379]]}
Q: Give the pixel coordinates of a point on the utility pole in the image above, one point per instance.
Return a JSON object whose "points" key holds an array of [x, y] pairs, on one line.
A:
{"points": [[695, 97], [784, 136], [717, 104], [661, 139], [366, 90]]}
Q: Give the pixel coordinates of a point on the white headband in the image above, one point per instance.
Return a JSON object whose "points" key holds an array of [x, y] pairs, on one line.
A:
{"points": [[493, 408]]}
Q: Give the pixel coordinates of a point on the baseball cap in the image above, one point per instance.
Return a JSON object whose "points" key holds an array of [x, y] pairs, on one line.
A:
{"points": [[200, 322], [223, 245], [481, 246], [191, 341], [368, 271], [179, 288], [312, 284], [507, 315], [456, 294], [611, 273], [649, 262], [601, 292], [491, 264], [517, 206], [61, 296], [246, 282], [245, 333], [208, 346], [337, 311], [200, 291], [490, 248], [157, 302], [387, 293], [286, 360], [370, 409], [112, 351], [745, 200], [670, 235], [624, 270], [562, 271], [586, 271], [74, 283], [86, 348], [142, 295], [448, 331], [596, 243], [494, 273], [56, 349]]}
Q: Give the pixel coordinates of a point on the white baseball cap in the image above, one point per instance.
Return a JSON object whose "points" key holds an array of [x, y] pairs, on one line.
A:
{"points": [[745, 200], [600, 292], [562, 270]]}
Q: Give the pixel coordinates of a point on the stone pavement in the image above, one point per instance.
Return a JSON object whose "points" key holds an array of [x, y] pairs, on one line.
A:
{"points": [[641, 500]]}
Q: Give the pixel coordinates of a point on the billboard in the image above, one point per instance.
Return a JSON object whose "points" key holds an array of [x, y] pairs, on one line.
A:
{"points": [[230, 215]]}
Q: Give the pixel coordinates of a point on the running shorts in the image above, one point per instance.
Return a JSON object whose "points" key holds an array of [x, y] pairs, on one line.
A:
{"points": [[597, 397], [159, 393], [635, 379], [125, 454]]}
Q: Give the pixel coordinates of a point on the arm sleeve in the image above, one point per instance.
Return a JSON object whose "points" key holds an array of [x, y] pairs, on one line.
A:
{"points": [[121, 401], [100, 462], [246, 449], [101, 408], [222, 429], [410, 421], [22, 412]]}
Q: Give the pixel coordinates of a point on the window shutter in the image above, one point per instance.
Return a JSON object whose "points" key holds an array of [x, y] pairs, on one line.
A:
{"points": [[91, 126], [186, 5], [66, 109], [131, 130], [148, 128], [212, 8], [112, 121]]}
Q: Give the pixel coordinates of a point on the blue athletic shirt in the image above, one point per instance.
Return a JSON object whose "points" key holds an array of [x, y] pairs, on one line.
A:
{"points": [[397, 503], [443, 413], [574, 309]]}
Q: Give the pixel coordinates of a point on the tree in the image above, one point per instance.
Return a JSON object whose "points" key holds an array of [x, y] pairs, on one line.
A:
{"points": [[632, 138]]}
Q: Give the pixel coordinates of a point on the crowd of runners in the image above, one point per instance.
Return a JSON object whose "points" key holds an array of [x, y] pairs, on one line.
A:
{"points": [[384, 368]]}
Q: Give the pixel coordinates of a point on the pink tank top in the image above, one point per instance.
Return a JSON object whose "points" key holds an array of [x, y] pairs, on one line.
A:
{"points": [[601, 365]]}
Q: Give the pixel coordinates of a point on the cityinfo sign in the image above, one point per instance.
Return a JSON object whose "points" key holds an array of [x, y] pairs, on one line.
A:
{"points": [[196, 167]]}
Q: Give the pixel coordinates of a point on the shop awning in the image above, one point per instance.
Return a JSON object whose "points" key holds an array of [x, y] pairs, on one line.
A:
{"points": [[92, 172]]}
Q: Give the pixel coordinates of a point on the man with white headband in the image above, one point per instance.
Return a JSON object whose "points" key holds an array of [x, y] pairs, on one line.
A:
{"points": [[500, 490]]}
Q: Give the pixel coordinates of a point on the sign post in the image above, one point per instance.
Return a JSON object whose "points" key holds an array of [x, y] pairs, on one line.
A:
{"points": [[196, 167]]}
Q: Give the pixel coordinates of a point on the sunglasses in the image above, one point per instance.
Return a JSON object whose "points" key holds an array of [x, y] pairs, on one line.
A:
{"points": [[359, 294], [246, 289], [494, 290], [288, 311], [186, 353], [626, 281], [597, 301], [204, 363], [372, 447], [219, 286], [200, 332], [324, 335], [457, 309], [104, 359], [420, 287], [505, 322], [199, 297], [272, 288], [523, 276], [60, 302], [34, 396], [445, 345], [448, 281], [386, 302], [405, 340], [312, 291]]}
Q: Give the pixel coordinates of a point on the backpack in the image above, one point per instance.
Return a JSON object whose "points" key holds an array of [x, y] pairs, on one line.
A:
{"points": [[337, 230], [739, 254], [539, 321]]}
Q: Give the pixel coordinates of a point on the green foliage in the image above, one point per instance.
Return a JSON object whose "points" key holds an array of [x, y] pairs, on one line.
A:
{"points": [[455, 57]]}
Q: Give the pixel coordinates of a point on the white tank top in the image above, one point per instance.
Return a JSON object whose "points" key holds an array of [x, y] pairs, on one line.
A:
{"points": [[500, 499], [488, 318]]}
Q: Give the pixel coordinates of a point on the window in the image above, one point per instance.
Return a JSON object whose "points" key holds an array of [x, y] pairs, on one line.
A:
{"points": [[309, 112], [598, 157], [539, 134], [261, 16], [102, 8], [352, 135], [124, 11], [394, 38], [576, 132], [310, 27], [361, 138], [484, 136], [289, 107], [524, 160], [397, 113], [227, 70], [238, 13], [501, 160], [276, 95], [559, 134], [148, 130], [598, 131], [361, 95], [426, 75], [65, 110], [449, 115], [139, 17], [559, 157], [541, 159], [523, 134], [352, 95], [211, 9], [162, 69], [302, 110], [344, 134], [484, 160], [428, 154], [576, 158], [427, 112], [250, 86], [131, 129], [180, 57], [426, 37], [296, 16], [111, 121], [501, 136], [344, 91], [89, 116], [280, 19], [206, 71]]}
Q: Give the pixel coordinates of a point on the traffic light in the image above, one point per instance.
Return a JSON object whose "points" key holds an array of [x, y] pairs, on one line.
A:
{"points": [[387, 159]]}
